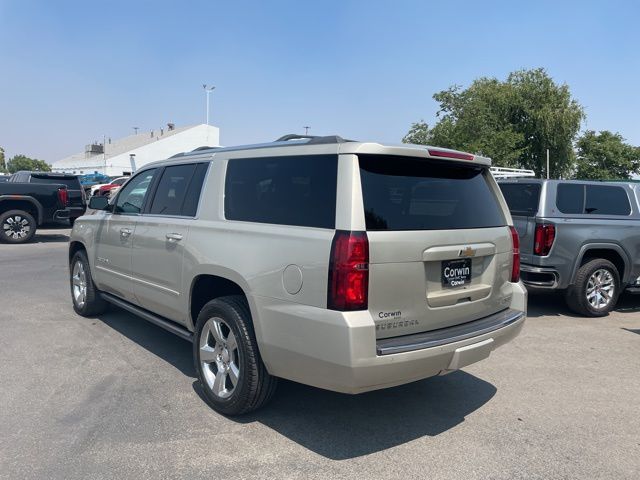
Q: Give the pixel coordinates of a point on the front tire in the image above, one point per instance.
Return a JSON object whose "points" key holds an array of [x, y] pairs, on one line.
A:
{"points": [[84, 294], [596, 290], [233, 378], [17, 226]]}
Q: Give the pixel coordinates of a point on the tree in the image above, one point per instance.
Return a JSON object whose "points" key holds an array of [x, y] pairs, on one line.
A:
{"points": [[419, 134], [20, 162], [514, 122], [3, 165], [606, 156]]}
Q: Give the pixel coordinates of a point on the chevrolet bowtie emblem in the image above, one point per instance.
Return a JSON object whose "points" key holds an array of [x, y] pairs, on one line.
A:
{"points": [[467, 252]]}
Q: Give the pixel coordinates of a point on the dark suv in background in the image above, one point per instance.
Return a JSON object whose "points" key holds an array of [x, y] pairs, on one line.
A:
{"points": [[77, 200], [582, 238]]}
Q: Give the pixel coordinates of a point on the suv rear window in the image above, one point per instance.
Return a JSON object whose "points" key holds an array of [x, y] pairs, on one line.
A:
{"points": [[292, 190], [522, 198], [401, 193]]}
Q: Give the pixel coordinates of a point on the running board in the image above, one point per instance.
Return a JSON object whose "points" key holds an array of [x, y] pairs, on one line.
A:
{"points": [[168, 325]]}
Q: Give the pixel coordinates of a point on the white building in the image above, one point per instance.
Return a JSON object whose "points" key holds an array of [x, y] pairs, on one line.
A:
{"points": [[125, 155]]}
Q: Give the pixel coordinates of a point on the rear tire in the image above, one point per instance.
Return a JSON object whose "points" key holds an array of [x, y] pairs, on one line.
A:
{"points": [[17, 226], [596, 289], [84, 294], [230, 371]]}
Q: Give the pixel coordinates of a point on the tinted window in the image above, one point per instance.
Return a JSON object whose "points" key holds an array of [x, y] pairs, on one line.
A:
{"points": [[522, 198], [172, 190], [190, 205], [570, 198], [297, 190], [131, 196], [413, 194], [72, 183], [607, 200]]}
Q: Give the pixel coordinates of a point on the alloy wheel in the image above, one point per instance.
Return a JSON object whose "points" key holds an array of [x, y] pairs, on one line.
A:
{"points": [[600, 288], [16, 227], [79, 281], [219, 357]]}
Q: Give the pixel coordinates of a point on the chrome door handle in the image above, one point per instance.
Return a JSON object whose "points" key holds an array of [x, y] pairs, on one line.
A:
{"points": [[173, 237], [125, 232]]}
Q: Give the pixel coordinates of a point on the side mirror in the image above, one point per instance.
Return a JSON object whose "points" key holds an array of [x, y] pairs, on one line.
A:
{"points": [[99, 202]]}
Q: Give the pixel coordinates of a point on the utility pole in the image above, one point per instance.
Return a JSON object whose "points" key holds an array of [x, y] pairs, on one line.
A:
{"points": [[208, 90], [306, 130], [104, 153], [135, 129], [547, 164]]}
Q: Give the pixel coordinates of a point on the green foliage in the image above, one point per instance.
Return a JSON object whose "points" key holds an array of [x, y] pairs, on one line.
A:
{"points": [[3, 165], [513, 122], [606, 156], [20, 162], [418, 134]]}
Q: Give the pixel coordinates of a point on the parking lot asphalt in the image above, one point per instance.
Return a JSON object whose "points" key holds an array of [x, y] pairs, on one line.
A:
{"points": [[115, 397]]}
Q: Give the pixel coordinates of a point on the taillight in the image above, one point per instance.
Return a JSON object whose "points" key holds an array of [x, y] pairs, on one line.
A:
{"points": [[515, 265], [543, 239], [447, 154], [63, 196], [349, 271]]}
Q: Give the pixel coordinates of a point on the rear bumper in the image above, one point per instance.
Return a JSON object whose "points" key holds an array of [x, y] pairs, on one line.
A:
{"points": [[62, 214], [546, 278], [338, 350]]}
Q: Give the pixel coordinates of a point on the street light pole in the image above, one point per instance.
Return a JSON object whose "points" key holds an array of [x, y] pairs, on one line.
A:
{"points": [[208, 90]]}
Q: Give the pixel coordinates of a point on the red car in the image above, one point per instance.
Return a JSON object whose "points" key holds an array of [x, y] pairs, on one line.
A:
{"points": [[115, 184]]}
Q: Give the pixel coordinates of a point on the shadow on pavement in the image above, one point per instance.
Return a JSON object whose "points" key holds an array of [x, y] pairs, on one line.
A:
{"points": [[334, 425], [49, 238], [165, 345], [553, 304], [633, 330], [340, 426]]}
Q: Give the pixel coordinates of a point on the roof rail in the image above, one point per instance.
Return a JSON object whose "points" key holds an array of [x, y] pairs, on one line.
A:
{"points": [[205, 147], [295, 136], [314, 139]]}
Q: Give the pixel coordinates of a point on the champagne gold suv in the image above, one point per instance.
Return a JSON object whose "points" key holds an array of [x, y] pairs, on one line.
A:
{"points": [[344, 265]]}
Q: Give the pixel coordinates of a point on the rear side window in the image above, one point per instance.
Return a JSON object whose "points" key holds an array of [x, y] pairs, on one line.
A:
{"points": [[570, 198], [593, 200], [607, 200], [522, 198], [292, 190], [172, 190], [190, 205], [414, 194]]}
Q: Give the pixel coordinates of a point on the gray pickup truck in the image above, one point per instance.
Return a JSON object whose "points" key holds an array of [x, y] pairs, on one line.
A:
{"points": [[579, 237]]}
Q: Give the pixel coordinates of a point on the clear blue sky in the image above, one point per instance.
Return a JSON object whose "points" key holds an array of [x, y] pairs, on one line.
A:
{"points": [[71, 71]]}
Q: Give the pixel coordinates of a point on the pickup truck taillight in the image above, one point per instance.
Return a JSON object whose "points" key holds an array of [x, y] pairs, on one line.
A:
{"points": [[63, 196], [349, 271], [543, 239], [515, 263]]}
